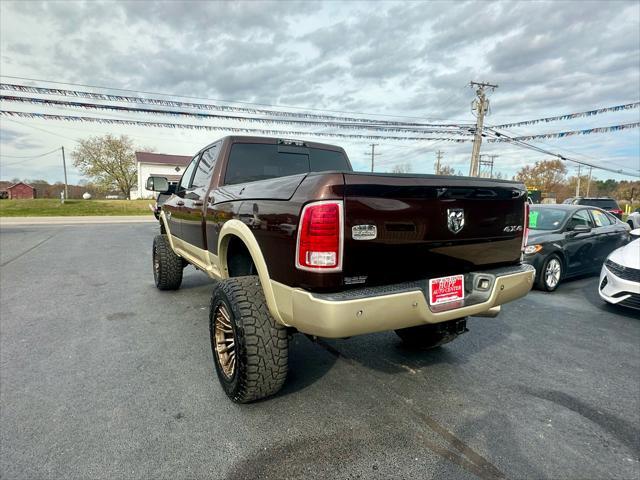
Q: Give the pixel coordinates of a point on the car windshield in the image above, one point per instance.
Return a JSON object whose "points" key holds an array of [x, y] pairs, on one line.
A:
{"points": [[541, 218]]}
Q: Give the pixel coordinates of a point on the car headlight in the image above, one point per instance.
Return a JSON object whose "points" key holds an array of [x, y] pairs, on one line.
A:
{"points": [[531, 249]]}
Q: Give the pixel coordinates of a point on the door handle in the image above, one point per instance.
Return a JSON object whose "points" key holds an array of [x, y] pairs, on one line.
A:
{"points": [[180, 203]]}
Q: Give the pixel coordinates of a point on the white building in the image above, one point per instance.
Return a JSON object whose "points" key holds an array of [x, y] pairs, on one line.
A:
{"points": [[158, 165]]}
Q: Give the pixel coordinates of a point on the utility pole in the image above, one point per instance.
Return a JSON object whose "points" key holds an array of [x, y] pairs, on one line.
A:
{"points": [[439, 154], [493, 159], [480, 105], [483, 162], [373, 154], [589, 181], [64, 165], [578, 184]]}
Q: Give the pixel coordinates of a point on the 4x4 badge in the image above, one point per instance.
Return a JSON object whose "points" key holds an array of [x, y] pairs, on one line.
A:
{"points": [[455, 219]]}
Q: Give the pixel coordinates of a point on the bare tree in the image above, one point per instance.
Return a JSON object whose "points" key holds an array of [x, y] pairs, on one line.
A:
{"points": [[401, 168], [109, 161], [447, 170]]}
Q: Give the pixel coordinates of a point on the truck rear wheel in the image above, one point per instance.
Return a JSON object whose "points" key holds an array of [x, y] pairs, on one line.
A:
{"points": [[167, 266], [431, 336], [250, 349]]}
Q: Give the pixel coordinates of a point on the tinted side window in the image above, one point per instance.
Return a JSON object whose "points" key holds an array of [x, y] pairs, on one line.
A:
{"points": [[600, 218], [612, 219], [205, 167], [581, 217], [185, 181]]}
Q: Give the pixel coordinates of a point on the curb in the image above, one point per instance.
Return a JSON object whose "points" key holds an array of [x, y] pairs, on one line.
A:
{"points": [[88, 220]]}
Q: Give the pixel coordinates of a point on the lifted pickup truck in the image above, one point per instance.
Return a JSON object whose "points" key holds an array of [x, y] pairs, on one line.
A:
{"points": [[300, 243]]}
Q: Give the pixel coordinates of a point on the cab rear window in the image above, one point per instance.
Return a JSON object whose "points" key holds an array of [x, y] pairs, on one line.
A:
{"points": [[250, 162]]}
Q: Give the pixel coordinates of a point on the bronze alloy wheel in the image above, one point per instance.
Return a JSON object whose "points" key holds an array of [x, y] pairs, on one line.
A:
{"points": [[156, 264], [225, 341]]}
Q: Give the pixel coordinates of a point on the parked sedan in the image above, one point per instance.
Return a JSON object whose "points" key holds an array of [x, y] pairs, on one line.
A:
{"points": [[620, 276], [568, 240]]}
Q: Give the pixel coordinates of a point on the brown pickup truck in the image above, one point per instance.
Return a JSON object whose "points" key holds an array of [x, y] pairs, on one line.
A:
{"points": [[300, 243]]}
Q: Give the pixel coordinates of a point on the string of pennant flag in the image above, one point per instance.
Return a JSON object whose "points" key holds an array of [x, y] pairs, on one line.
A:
{"points": [[569, 116], [205, 106], [264, 131], [588, 131], [458, 130]]}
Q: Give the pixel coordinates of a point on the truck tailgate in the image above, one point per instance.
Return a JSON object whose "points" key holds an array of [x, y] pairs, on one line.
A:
{"points": [[399, 227]]}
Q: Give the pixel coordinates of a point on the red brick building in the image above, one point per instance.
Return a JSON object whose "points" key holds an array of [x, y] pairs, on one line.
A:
{"points": [[21, 191]]}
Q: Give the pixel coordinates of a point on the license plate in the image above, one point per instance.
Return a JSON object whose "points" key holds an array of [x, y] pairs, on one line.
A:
{"points": [[446, 289]]}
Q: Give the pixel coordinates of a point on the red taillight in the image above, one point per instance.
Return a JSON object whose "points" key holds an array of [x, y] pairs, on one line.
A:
{"points": [[319, 245], [525, 232], [617, 212]]}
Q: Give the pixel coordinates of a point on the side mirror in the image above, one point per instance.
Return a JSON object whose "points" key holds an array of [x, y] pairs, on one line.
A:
{"points": [[635, 233], [157, 184]]}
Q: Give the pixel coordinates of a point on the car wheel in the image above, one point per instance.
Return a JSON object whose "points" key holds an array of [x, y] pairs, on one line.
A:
{"points": [[250, 349], [550, 274], [167, 266], [431, 336]]}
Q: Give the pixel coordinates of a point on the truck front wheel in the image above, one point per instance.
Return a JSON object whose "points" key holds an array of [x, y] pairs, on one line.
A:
{"points": [[167, 266], [250, 349], [431, 336]]}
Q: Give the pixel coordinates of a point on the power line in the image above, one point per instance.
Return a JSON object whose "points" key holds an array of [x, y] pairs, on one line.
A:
{"points": [[31, 157], [564, 149], [523, 144], [41, 129]]}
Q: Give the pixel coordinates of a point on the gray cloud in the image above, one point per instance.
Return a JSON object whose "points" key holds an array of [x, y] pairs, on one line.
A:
{"points": [[403, 58]]}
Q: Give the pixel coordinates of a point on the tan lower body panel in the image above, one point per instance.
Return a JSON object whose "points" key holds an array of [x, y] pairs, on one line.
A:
{"points": [[202, 259], [336, 319]]}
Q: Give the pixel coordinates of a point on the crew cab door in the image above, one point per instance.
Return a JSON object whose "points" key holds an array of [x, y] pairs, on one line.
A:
{"points": [[174, 206], [195, 198]]}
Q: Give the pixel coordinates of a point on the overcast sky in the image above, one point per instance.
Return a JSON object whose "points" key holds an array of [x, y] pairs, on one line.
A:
{"points": [[400, 59]]}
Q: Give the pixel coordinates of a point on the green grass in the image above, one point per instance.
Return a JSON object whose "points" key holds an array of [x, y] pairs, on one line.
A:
{"points": [[49, 207]]}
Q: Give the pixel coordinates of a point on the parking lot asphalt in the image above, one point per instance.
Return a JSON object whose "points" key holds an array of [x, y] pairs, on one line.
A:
{"points": [[103, 376]]}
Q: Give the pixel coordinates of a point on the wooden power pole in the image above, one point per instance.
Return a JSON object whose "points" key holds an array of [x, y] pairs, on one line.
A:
{"points": [[481, 106], [439, 154], [64, 165], [373, 155]]}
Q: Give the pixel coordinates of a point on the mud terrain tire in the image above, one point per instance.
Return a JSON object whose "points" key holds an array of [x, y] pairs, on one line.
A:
{"points": [[261, 344]]}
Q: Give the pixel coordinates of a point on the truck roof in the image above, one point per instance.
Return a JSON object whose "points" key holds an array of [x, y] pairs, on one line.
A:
{"points": [[274, 140]]}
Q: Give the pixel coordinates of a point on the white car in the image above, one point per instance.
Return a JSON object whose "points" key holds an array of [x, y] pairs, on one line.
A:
{"points": [[620, 275], [634, 219]]}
